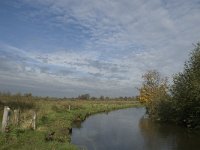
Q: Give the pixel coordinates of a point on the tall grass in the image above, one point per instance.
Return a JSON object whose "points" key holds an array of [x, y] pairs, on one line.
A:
{"points": [[52, 116]]}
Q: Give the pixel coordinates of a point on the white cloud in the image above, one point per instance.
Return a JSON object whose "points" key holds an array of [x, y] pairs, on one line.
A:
{"points": [[126, 38], [83, 67]]}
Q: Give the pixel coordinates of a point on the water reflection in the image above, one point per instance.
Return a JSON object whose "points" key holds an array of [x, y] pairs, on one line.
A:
{"points": [[168, 137], [129, 130]]}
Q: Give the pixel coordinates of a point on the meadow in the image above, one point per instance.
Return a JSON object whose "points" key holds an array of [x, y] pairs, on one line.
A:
{"points": [[54, 119]]}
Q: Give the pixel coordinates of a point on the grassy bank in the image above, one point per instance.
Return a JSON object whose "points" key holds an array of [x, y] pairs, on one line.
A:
{"points": [[52, 116]]}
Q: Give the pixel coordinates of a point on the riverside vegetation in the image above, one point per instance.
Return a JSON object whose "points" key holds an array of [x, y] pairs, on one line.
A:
{"points": [[54, 119], [178, 103]]}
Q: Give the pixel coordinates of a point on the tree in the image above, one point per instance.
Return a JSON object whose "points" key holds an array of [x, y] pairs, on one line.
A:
{"points": [[101, 97], [93, 98], [154, 92], [186, 91], [84, 96]]}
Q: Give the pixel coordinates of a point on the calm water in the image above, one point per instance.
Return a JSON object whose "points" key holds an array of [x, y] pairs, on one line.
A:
{"points": [[128, 130]]}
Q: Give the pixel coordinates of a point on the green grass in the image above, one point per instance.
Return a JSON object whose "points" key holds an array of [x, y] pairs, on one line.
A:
{"points": [[52, 116]]}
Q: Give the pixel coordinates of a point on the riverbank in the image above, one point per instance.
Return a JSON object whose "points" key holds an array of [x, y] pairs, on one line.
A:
{"points": [[54, 122]]}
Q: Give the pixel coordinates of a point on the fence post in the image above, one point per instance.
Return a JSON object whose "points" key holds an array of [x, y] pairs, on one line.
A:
{"points": [[16, 117], [5, 119], [34, 120], [69, 108]]}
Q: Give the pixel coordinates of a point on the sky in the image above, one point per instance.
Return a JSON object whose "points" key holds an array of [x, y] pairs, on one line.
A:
{"points": [[101, 47]]}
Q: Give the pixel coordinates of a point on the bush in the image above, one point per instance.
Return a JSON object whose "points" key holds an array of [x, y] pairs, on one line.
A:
{"points": [[154, 93], [84, 97], [186, 91], [183, 104]]}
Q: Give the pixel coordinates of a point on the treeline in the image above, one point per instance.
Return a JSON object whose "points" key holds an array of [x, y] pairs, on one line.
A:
{"points": [[88, 97], [29, 96], [180, 102]]}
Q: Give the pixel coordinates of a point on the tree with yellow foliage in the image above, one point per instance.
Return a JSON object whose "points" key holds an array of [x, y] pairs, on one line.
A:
{"points": [[154, 90]]}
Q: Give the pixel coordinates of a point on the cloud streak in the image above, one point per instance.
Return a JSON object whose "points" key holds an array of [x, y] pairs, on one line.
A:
{"points": [[98, 46]]}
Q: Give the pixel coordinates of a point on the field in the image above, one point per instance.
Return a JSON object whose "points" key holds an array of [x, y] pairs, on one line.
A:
{"points": [[54, 120]]}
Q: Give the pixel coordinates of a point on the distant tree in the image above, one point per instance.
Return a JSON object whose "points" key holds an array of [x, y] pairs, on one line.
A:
{"points": [[120, 98], [84, 96], [101, 98], [28, 94], [107, 98], [93, 98]]}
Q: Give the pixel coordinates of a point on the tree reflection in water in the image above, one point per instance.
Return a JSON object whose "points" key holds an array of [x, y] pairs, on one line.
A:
{"points": [[160, 136]]}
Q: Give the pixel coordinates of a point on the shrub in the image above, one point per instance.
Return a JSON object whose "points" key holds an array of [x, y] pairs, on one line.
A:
{"points": [[153, 93], [186, 91]]}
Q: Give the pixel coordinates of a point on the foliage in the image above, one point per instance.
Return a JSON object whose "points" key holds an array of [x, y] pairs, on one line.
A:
{"points": [[183, 104], [84, 97], [186, 91], [154, 93], [101, 98]]}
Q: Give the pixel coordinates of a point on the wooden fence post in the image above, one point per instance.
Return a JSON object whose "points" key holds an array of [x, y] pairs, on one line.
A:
{"points": [[34, 120], [69, 108], [5, 119], [16, 117]]}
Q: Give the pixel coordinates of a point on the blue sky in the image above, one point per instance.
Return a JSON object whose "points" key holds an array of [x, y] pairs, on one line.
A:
{"points": [[102, 47]]}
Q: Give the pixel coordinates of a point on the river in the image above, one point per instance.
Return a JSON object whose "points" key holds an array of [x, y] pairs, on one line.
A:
{"points": [[128, 129]]}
